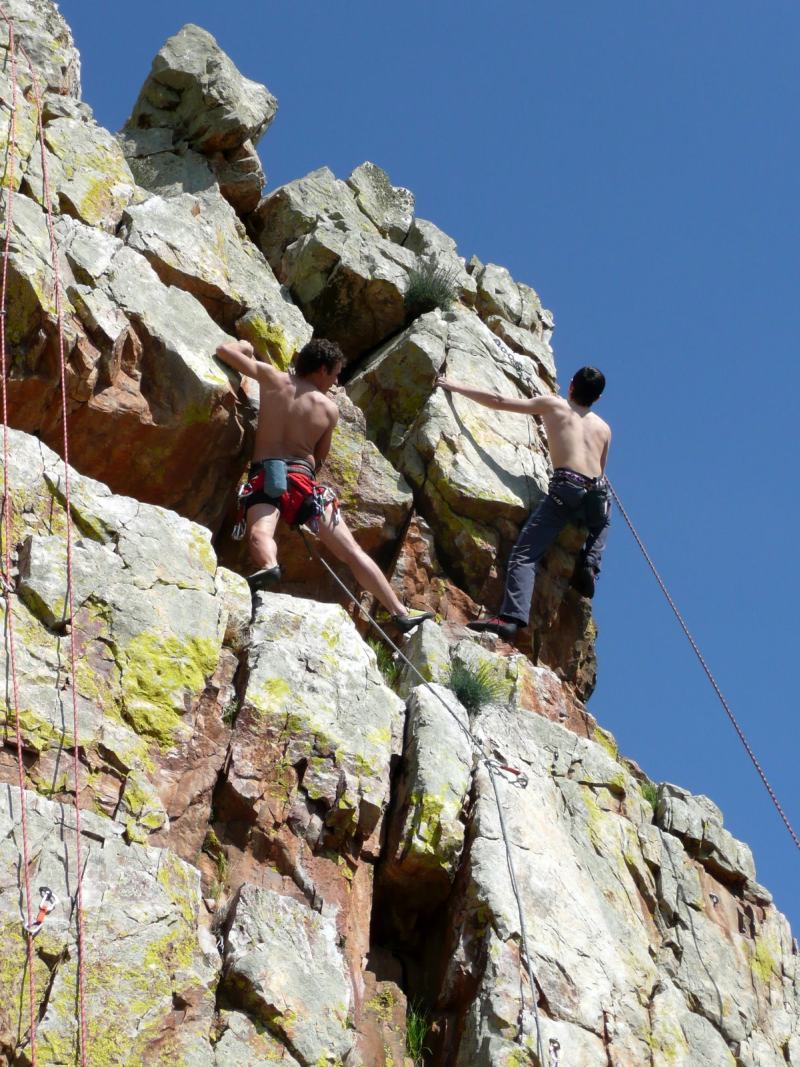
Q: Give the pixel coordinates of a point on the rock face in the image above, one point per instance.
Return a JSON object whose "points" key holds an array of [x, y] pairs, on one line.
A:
{"points": [[291, 845], [476, 473], [156, 269]]}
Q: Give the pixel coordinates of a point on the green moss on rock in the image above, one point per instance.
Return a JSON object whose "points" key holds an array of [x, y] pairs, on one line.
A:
{"points": [[160, 672]]}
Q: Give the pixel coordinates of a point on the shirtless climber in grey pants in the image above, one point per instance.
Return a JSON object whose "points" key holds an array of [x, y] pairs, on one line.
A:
{"points": [[579, 441]]}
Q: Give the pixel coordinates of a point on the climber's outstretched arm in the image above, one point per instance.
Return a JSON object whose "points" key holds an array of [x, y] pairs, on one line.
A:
{"points": [[240, 355], [538, 405]]}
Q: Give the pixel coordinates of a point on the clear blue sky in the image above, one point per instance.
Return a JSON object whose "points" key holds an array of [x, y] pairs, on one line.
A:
{"points": [[637, 163]]}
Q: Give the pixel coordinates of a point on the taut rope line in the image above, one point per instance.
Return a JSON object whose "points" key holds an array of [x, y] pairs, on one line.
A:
{"points": [[696, 649]]}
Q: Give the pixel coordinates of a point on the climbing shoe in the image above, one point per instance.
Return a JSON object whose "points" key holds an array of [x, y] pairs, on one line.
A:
{"points": [[583, 582], [264, 579], [505, 628], [406, 623]]}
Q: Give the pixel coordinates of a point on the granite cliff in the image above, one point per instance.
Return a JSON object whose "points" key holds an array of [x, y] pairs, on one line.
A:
{"points": [[290, 853]]}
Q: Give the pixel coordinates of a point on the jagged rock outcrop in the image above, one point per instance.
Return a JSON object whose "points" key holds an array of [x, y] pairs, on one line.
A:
{"points": [[291, 844], [197, 121], [154, 275]]}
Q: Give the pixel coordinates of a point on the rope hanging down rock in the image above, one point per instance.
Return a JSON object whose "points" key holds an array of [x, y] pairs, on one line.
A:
{"points": [[83, 1036], [8, 182], [492, 766], [696, 649]]}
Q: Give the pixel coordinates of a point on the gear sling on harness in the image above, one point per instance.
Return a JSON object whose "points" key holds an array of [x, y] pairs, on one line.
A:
{"points": [[289, 485]]}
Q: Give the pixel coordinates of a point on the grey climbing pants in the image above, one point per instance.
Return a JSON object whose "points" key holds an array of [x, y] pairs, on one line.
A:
{"points": [[571, 497]]}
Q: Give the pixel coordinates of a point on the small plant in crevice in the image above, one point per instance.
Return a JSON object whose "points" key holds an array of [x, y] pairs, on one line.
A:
{"points": [[230, 711], [387, 664], [650, 793], [418, 1026], [430, 287], [475, 687], [212, 846]]}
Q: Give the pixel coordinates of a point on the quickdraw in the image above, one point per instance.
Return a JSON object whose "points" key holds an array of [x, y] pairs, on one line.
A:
{"points": [[46, 904], [512, 775]]}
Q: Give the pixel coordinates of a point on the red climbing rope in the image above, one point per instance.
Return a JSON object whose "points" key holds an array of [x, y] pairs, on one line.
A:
{"points": [[68, 509], [754, 759], [9, 179], [70, 578]]}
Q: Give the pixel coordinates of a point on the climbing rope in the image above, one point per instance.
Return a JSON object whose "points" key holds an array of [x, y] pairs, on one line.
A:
{"points": [[83, 1042], [492, 767], [8, 181], [695, 648]]}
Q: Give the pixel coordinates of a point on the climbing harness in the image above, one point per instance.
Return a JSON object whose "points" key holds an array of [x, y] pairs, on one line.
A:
{"points": [[696, 649], [495, 770], [46, 904], [14, 47], [300, 500]]}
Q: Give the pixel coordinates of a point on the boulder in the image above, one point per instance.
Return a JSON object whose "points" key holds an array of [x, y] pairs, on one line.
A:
{"points": [[476, 472], [150, 405], [196, 243], [317, 729], [284, 962], [89, 177], [293, 210], [422, 582], [325, 241], [390, 207], [514, 312], [43, 32], [195, 91], [196, 122], [244, 1043], [426, 836], [349, 285], [697, 821], [606, 999], [432, 245]]}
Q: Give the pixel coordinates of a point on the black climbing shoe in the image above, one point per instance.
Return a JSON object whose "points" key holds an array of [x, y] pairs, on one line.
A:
{"points": [[264, 579], [505, 628], [406, 623], [583, 582]]}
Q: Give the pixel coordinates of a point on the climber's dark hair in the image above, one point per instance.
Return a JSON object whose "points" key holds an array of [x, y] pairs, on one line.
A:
{"points": [[586, 386], [317, 353]]}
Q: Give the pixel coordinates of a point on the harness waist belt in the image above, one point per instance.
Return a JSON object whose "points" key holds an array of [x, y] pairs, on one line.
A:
{"points": [[567, 474]]}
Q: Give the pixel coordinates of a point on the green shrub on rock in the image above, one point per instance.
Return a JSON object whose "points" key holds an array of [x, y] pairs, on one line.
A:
{"points": [[475, 687], [430, 287]]}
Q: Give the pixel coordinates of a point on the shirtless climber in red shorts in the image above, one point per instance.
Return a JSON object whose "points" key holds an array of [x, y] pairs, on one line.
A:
{"points": [[295, 427]]}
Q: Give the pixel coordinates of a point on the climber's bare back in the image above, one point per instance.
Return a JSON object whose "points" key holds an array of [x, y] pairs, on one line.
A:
{"points": [[576, 437], [294, 417]]}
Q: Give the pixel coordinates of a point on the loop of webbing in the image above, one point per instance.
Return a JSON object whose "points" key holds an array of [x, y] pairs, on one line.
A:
{"points": [[696, 649], [492, 765]]}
